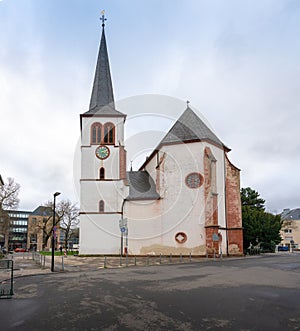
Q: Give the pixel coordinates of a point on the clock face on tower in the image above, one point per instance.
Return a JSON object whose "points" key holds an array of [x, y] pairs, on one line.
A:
{"points": [[102, 152]]}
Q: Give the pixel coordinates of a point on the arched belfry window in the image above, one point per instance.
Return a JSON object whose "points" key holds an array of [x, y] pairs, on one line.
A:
{"points": [[102, 173], [96, 133], [101, 206], [109, 133]]}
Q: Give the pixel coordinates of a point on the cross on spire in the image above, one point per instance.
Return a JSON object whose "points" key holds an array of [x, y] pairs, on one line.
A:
{"points": [[102, 18]]}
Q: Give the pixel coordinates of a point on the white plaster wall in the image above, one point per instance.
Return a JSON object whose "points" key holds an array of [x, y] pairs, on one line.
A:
{"points": [[99, 234], [90, 164], [112, 192], [181, 209]]}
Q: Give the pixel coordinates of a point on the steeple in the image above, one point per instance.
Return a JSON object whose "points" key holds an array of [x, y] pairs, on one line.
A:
{"points": [[102, 92]]}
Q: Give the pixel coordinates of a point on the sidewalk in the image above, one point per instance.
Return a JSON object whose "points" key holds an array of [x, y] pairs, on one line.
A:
{"points": [[25, 265]]}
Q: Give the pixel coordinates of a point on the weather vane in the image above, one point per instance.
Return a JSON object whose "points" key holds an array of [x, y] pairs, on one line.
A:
{"points": [[187, 103], [102, 18]]}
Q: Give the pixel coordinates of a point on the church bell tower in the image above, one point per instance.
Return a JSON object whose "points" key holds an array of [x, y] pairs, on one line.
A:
{"points": [[103, 163]]}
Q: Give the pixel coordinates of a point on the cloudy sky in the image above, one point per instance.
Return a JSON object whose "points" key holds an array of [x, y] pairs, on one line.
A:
{"points": [[237, 62]]}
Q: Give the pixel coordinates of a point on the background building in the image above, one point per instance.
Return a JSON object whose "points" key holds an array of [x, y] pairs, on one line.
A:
{"points": [[18, 229], [290, 231], [39, 233]]}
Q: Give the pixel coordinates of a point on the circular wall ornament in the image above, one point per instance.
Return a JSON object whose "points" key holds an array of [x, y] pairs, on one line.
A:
{"points": [[181, 237], [194, 180], [102, 152]]}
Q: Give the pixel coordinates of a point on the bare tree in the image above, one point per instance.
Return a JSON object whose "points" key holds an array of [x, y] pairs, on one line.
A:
{"points": [[69, 217], [8, 200], [45, 223], [9, 195], [66, 218]]}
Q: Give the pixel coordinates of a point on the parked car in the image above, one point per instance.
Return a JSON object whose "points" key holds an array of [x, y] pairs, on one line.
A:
{"points": [[283, 248], [19, 249]]}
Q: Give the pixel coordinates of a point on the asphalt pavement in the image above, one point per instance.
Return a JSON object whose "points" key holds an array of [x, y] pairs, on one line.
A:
{"points": [[252, 293]]}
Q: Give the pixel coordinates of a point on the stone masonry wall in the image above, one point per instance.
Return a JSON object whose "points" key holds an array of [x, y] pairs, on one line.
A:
{"points": [[233, 209]]}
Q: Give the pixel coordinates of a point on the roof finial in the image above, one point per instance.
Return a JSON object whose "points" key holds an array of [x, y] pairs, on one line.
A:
{"points": [[102, 18], [130, 165], [187, 103]]}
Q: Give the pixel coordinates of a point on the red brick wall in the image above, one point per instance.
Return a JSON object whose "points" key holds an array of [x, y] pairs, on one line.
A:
{"points": [[122, 162], [233, 208], [211, 202], [235, 241], [210, 197]]}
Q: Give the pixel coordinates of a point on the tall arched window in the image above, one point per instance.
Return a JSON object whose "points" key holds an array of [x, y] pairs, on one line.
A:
{"points": [[102, 173], [101, 206], [109, 133], [96, 133]]}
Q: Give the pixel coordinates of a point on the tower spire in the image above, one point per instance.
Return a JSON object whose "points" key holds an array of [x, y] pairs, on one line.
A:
{"points": [[102, 92]]}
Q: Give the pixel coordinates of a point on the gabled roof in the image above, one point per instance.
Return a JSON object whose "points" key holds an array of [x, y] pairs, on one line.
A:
{"points": [[189, 127], [141, 186], [291, 214], [102, 98], [42, 211]]}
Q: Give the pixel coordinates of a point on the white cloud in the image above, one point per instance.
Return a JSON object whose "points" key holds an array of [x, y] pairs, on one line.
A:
{"points": [[237, 63]]}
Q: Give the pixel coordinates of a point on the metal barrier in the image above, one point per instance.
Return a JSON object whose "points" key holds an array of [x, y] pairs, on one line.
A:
{"points": [[6, 285]]}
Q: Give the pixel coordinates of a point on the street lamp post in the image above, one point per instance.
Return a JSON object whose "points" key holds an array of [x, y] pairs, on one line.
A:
{"points": [[53, 230]]}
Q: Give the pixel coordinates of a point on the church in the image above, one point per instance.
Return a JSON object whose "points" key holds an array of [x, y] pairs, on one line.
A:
{"points": [[184, 199]]}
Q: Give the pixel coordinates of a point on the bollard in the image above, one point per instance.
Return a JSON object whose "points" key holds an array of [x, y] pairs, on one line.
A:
{"points": [[120, 260], [126, 258], [44, 261], [105, 262], [135, 260], [190, 257], [62, 263], [170, 257], [160, 258], [180, 257], [148, 260]]}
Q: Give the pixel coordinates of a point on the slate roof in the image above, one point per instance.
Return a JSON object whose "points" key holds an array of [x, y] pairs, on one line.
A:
{"points": [[102, 98], [141, 186], [291, 214], [189, 127], [42, 211]]}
